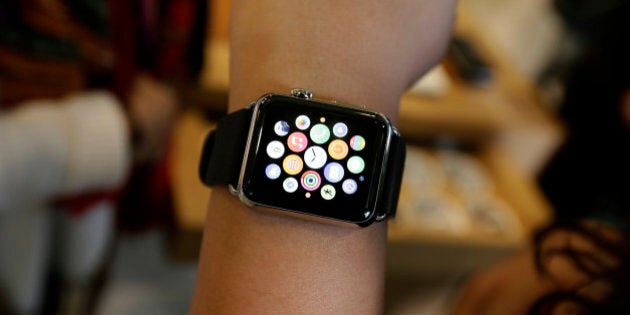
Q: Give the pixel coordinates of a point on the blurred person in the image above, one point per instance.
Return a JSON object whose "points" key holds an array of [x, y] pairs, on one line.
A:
{"points": [[575, 267], [581, 263], [595, 111], [88, 96]]}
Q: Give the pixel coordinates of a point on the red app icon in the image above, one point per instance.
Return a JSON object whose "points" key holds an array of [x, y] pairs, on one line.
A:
{"points": [[297, 142]]}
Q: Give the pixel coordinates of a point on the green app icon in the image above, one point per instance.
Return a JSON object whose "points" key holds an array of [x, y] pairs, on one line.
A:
{"points": [[356, 164], [320, 133]]}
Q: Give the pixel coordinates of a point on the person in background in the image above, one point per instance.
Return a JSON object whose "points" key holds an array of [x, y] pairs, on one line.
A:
{"points": [[580, 264], [88, 94]]}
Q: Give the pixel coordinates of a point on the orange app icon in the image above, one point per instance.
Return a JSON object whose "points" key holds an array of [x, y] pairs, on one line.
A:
{"points": [[292, 164], [338, 149]]}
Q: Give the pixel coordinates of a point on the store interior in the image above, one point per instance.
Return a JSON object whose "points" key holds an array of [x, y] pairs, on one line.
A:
{"points": [[483, 129]]}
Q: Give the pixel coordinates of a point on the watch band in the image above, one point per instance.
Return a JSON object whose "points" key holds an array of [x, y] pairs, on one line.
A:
{"points": [[224, 148], [393, 176], [223, 166]]}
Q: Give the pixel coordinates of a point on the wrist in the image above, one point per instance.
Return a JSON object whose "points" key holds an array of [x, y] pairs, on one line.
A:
{"points": [[326, 256], [264, 258]]}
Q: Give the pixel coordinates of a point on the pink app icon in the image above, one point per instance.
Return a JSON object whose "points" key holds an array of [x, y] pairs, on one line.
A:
{"points": [[311, 180], [297, 142]]}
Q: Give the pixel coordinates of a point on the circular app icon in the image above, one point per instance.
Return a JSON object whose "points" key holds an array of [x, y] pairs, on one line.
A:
{"points": [[297, 142], [275, 149], [340, 130], [292, 164], [302, 122], [333, 172], [338, 149], [281, 128], [328, 192], [290, 184], [356, 164], [357, 143], [273, 171], [315, 157], [349, 186], [311, 180], [320, 133]]}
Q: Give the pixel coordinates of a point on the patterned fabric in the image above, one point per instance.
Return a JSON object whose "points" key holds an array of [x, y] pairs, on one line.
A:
{"points": [[52, 48]]}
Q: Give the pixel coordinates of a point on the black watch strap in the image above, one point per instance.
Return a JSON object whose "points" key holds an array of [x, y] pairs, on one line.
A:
{"points": [[224, 148], [393, 178]]}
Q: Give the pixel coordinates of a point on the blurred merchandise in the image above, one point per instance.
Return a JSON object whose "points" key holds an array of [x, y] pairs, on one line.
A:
{"points": [[468, 62], [450, 192], [433, 84]]}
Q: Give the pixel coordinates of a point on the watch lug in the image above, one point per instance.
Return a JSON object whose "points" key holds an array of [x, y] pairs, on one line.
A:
{"points": [[381, 217], [233, 190]]}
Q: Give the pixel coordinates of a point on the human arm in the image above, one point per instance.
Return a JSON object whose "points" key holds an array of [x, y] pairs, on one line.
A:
{"points": [[363, 52], [572, 268]]}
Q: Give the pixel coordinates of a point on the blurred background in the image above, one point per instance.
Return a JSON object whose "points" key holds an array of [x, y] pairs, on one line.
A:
{"points": [[101, 210]]}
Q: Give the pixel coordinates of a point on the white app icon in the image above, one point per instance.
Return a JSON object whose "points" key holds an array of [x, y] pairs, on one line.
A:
{"points": [[302, 122], [333, 172], [315, 157], [340, 130], [273, 171], [281, 128], [349, 186], [290, 185], [275, 149]]}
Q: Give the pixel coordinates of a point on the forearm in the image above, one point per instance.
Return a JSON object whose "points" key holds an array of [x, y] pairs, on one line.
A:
{"points": [[257, 262], [366, 52], [363, 53]]}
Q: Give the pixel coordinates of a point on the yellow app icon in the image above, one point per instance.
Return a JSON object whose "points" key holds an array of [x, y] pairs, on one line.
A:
{"points": [[292, 164], [338, 149]]}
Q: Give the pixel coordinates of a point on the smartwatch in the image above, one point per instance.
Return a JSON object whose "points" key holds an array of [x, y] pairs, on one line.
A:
{"points": [[298, 154]]}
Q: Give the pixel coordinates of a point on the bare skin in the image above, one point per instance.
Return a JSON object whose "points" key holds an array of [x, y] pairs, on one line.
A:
{"points": [[514, 285]]}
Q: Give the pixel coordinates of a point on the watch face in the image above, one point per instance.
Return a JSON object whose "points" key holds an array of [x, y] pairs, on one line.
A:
{"points": [[315, 158]]}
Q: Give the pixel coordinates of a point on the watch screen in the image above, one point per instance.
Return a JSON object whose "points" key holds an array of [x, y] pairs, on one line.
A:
{"points": [[315, 158]]}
